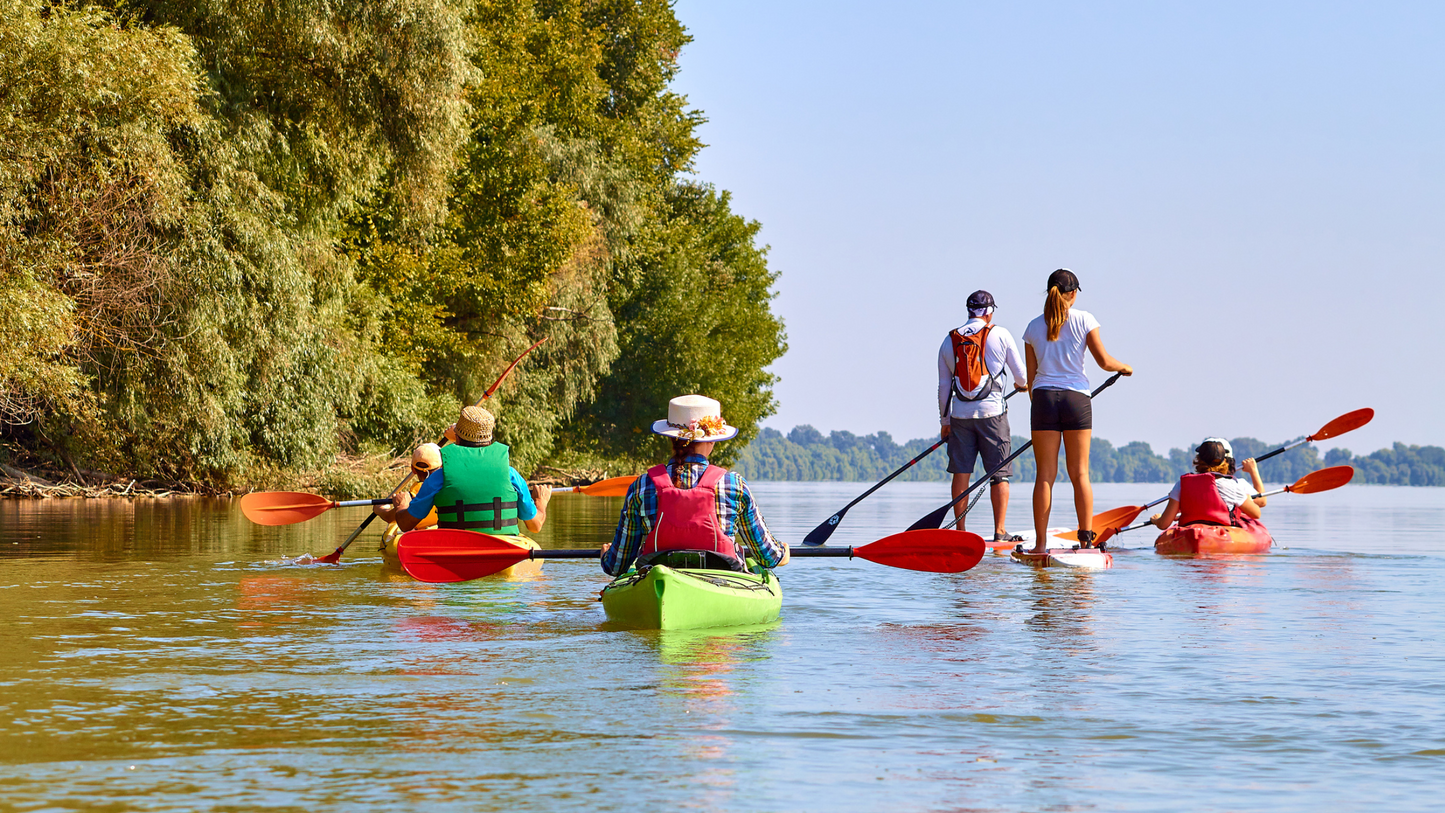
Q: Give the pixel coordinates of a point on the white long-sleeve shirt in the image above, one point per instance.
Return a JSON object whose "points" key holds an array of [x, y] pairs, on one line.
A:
{"points": [[998, 350]]}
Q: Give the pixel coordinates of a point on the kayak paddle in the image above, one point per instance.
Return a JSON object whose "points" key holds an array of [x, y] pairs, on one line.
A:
{"points": [[935, 518], [440, 555], [611, 487], [820, 534], [291, 507], [1119, 517], [335, 556], [1312, 483]]}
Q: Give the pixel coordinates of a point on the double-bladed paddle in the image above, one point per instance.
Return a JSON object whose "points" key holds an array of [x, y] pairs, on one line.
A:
{"points": [[335, 556], [1312, 483], [935, 518], [1119, 517], [446, 555], [291, 507], [820, 534]]}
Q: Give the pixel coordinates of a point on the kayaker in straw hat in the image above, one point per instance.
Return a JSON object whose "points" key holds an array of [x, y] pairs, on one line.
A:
{"points": [[689, 504], [1212, 495], [476, 487], [1054, 346], [971, 371]]}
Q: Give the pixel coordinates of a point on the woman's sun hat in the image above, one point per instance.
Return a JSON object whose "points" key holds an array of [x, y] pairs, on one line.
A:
{"points": [[695, 418], [427, 457], [475, 425]]}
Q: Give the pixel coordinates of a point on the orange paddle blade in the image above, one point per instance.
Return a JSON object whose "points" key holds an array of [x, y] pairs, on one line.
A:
{"points": [[442, 555], [1113, 518], [1348, 422], [611, 487], [283, 507], [1322, 480], [930, 550]]}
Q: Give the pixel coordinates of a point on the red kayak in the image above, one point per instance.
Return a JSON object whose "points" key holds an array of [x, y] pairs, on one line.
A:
{"points": [[1192, 540]]}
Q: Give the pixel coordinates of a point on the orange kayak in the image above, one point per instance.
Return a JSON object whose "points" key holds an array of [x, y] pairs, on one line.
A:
{"points": [[1194, 540]]}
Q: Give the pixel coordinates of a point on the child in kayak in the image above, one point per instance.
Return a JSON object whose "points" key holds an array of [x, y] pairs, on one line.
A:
{"points": [[1212, 495], [689, 507]]}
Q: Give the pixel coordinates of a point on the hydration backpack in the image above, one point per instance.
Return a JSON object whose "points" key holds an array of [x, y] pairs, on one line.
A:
{"points": [[969, 371]]}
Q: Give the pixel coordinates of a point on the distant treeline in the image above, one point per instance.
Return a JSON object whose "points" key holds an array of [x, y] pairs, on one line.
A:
{"points": [[807, 454]]}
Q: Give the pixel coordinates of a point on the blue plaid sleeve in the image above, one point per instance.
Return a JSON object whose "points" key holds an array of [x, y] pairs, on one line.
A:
{"points": [[632, 527], [749, 528]]}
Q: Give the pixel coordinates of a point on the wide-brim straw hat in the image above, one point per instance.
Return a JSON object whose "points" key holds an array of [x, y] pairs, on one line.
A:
{"points": [[427, 457], [695, 418], [476, 425]]}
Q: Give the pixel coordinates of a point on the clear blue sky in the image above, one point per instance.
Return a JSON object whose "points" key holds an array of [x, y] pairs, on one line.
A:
{"points": [[1252, 195]]}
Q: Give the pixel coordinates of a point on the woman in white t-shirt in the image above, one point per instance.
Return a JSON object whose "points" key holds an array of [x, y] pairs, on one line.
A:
{"points": [[1061, 410]]}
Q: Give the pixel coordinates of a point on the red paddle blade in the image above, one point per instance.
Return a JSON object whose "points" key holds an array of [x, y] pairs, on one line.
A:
{"points": [[931, 551], [441, 555], [1348, 422], [283, 507], [1322, 480], [611, 487], [1114, 518]]}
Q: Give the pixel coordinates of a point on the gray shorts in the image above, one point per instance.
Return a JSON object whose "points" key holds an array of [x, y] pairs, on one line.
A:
{"points": [[971, 437]]}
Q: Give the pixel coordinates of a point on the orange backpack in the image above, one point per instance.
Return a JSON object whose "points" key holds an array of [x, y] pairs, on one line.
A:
{"points": [[969, 371]]}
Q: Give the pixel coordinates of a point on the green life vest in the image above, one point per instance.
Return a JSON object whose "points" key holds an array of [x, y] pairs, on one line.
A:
{"points": [[477, 492]]}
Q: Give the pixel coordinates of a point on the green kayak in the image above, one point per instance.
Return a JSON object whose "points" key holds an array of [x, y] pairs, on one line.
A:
{"points": [[685, 598]]}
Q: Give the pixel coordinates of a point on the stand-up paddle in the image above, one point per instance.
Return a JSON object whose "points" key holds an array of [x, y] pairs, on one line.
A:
{"points": [[1117, 518], [934, 519], [1312, 483], [335, 556], [820, 534], [441, 555], [291, 507]]}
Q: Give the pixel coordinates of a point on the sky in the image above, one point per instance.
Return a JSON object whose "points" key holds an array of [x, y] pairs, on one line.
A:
{"points": [[1252, 195]]}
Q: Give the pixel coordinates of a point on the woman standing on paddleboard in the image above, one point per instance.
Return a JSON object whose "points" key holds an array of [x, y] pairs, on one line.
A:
{"points": [[689, 512], [1061, 409]]}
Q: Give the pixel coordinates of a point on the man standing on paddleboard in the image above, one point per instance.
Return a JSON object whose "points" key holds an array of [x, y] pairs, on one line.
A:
{"points": [[971, 408]]}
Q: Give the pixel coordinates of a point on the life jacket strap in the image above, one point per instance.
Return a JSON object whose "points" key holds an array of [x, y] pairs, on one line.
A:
{"points": [[459, 510]]}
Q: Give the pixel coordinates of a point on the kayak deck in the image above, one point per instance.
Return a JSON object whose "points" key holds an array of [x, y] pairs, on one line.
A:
{"points": [[661, 597], [524, 570], [1251, 537]]}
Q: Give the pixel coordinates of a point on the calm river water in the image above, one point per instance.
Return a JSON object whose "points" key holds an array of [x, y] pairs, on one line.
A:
{"points": [[159, 656]]}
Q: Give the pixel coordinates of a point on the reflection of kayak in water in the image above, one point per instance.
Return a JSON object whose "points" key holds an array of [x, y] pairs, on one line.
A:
{"points": [[525, 569], [661, 597], [1060, 553], [1193, 540]]}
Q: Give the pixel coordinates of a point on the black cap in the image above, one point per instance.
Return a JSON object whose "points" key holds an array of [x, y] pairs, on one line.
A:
{"points": [[980, 299], [1064, 280]]}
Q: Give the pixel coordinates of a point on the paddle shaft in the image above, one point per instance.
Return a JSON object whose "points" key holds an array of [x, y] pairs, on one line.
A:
{"points": [[596, 553], [336, 554], [1017, 452], [1165, 499], [1281, 450]]}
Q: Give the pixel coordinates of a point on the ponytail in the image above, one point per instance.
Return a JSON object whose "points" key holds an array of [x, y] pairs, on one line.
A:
{"points": [[681, 448], [1056, 312]]}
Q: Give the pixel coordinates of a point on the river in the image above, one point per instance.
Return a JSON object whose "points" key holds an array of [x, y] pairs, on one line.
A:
{"points": [[161, 655]]}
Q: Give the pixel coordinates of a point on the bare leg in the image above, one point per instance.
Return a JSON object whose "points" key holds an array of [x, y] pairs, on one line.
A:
{"points": [[960, 485], [998, 495], [1046, 459], [1076, 452]]}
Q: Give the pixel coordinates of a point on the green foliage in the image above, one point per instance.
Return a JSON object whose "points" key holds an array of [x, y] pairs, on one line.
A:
{"points": [[806, 454], [1400, 465]]}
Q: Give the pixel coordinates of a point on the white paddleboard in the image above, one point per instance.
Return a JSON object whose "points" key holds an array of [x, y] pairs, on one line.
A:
{"points": [[1061, 553]]}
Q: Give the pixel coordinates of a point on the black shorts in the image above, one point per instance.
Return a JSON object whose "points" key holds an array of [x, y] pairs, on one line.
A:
{"points": [[1061, 411]]}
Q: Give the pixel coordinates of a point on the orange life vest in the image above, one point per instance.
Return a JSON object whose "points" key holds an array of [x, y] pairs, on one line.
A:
{"points": [[1200, 503]]}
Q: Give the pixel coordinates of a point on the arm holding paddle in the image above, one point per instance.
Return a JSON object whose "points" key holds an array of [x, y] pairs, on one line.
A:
{"points": [[1106, 362], [543, 495], [1252, 466]]}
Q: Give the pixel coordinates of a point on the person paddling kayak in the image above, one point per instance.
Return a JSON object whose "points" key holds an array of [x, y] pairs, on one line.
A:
{"points": [[476, 487], [972, 365], [425, 459], [1212, 495], [1061, 409], [689, 504]]}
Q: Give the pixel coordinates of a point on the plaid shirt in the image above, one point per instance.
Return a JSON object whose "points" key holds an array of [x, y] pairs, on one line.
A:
{"points": [[739, 517]]}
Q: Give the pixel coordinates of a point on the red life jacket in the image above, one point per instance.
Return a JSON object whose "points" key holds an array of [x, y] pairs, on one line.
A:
{"points": [[1200, 503], [687, 517], [969, 371]]}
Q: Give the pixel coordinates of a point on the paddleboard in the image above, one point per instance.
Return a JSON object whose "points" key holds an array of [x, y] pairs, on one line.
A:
{"points": [[1061, 553]]}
